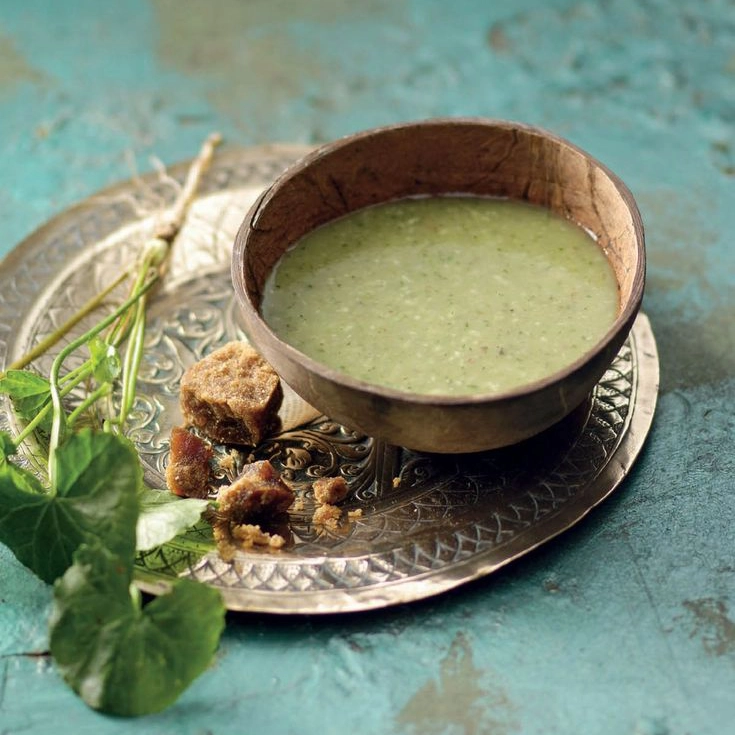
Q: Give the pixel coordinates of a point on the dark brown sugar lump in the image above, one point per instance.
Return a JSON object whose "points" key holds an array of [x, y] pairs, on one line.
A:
{"points": [[232, 395], [188, 470]]}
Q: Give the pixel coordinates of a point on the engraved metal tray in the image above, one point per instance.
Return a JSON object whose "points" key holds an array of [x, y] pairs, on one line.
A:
{"points": [[428, 523]]}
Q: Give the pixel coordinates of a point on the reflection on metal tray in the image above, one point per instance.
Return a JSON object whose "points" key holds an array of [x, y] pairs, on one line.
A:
{"points": [[425, 523]]}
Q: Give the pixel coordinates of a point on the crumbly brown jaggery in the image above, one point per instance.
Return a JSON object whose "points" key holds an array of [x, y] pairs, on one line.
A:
{"points": [[188, 470], [230, 538], [327, 515], [330, 490], [232, 395], [258, 493], [327, 492]]}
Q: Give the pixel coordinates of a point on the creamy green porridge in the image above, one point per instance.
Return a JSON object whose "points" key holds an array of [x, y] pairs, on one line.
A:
{"points": [[444, 295]]}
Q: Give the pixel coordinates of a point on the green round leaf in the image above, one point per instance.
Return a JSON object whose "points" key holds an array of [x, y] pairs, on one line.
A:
{"points": [[164, 515], [29, 393], [98, 477], [122, 658]]}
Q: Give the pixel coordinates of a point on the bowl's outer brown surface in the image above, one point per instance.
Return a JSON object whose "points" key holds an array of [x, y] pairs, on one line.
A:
{"points": [[458, 155]]}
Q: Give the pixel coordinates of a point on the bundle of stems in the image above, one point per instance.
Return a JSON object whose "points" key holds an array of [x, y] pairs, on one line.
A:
{"points": [[116, 341]]}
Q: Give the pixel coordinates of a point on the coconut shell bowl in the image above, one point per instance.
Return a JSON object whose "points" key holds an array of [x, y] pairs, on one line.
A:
{"points": [[476, 157]]}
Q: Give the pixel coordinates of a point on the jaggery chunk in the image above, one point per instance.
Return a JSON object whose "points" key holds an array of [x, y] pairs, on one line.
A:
{"points": [[188, 469], [330, 490], [232, 395], [259, 492]]}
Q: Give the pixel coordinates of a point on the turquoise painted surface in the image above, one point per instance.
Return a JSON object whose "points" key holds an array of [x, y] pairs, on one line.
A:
{"points": [[626, 624]]}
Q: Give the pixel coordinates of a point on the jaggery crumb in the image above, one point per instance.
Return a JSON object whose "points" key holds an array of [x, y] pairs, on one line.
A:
{"points": [[396, 481], [330, 490], [327, 515], [227, 461], [327, 492], [298, 505], [232, 395], [231, 537], [251, 535]]}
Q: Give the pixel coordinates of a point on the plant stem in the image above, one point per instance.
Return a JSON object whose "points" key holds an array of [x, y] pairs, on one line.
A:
{"points": [[166, 231], [104, 390], [31, 426], [133, 356], [171, 225], [126, 321], [57, 423], [49, 341]]}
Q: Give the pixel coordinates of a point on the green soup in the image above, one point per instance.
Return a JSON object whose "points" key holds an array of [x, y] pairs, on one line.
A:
{"points": [[444, 295]]}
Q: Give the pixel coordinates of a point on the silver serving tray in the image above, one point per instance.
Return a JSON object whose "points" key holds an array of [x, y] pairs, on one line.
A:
{"points": [[429, 522]]}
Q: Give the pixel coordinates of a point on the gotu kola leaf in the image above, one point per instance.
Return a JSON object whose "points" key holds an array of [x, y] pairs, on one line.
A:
{"points": [[98, 477], [29, 393], [7, 446], [122, 658], [13, 475], [164, 515]]}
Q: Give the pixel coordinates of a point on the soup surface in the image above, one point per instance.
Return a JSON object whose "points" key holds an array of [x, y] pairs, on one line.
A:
{"points": [[444, 295]]}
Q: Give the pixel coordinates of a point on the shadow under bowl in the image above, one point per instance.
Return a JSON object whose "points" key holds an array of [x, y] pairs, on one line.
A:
{"points": [[472, 156]]}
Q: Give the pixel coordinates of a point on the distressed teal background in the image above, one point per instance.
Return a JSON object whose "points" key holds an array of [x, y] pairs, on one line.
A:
{"points": [[626, 624]]}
